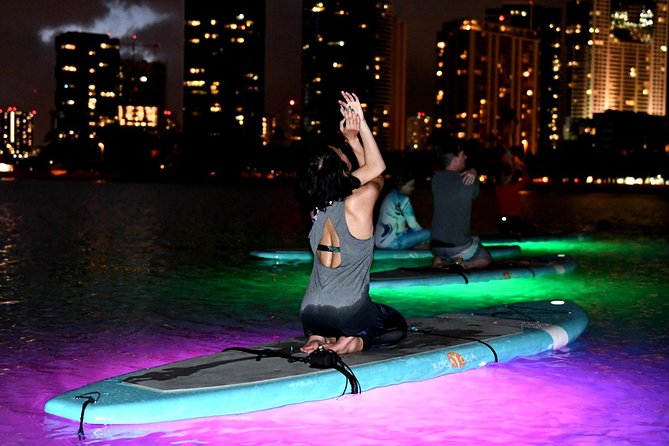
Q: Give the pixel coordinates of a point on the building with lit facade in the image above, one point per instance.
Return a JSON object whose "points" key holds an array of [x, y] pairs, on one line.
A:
{"points": [[294, 121], [617, 56], [17, 131], [87, 84], [348, 45], [143, 93], [418, 131], [487, 83], [224, 77], [547, 24], [398, 83]]}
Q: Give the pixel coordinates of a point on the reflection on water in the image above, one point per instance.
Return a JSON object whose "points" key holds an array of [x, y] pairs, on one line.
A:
{"points": [[97, 280]]}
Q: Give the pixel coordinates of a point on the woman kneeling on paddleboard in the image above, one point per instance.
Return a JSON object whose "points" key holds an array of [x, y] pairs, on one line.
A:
{"points": [[337, 312]]}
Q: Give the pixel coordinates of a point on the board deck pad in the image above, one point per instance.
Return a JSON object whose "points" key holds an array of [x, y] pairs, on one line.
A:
{"points": [[234, 382], [226, 368]]}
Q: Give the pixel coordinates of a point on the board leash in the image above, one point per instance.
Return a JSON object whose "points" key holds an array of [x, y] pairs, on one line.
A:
{"points": [[318, 359], [465, 338], [89, 399]]}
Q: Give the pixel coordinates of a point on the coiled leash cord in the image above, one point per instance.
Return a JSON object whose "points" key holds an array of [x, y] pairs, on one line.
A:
{"points": [[318, 359], [327, 359], [89, 399]]}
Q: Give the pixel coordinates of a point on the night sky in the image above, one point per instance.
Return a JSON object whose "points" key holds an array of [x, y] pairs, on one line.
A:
{"points": [[27, 52]]}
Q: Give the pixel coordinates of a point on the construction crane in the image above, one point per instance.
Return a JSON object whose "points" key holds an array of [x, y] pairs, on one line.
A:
{"points": [[134, 44]]}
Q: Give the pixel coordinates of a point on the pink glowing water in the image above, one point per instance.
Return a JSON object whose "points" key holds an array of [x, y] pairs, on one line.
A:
{"points": [[101, 280]]}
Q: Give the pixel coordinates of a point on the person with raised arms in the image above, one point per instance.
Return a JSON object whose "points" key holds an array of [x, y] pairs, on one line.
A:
{"points": [[337, 312]]}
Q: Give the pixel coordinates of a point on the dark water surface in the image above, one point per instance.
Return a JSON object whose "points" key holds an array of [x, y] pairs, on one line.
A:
{"points": [[100, 279]]}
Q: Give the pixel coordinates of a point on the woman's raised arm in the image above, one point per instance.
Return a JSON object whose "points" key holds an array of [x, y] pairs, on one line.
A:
{"points": [[370, 161]]}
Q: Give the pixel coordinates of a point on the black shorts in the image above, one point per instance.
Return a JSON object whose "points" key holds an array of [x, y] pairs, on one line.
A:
{"points": [[389, 329]]}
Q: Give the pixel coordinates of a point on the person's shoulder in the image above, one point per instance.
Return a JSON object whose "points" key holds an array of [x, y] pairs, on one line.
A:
{"points": [[371, 189], [444, 175]]}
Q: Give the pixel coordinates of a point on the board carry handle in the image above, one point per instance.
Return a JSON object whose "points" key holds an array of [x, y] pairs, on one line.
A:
{"points": [[89, 399]]}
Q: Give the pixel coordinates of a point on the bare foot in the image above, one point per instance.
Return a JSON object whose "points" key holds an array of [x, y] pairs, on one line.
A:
{"points": [[456, 264], [474, 264], [346, 344], [314, 342]]}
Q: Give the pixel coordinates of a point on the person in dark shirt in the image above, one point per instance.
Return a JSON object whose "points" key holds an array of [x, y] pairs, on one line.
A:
{"points": [[453, 189]]}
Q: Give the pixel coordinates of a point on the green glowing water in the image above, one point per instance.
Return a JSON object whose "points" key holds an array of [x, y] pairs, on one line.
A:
{"points": [[619, 281]]}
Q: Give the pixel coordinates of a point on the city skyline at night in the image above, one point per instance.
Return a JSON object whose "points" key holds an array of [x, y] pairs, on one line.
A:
{"points": [[28, 47], [489, 84]]}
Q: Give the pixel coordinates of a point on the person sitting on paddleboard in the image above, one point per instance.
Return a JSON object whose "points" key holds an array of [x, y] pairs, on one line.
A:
{"points": [[453, 189], [337, 312], [512, 177], [397, 227]]}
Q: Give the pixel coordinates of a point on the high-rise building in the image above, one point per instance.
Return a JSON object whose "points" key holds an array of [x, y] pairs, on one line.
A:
{"points": [[617, 54], [17, 131], [487, 83], [224, 77], [347, 45], [87, 84], [110, 112], [547, 24], [143, 88], [419, 129], [294, 121], [398, 97]]}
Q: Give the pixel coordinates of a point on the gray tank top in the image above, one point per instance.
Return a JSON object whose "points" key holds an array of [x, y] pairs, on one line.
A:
{"points": [[337, 301]]}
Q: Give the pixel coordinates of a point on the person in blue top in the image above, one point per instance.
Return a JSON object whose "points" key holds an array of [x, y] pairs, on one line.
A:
{"points": [[337, 312], [397, 227]]}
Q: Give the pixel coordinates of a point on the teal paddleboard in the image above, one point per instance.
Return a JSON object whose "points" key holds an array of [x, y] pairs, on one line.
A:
{"points": [[567, 236], [516, 268], [304, 255], [235, 382]]}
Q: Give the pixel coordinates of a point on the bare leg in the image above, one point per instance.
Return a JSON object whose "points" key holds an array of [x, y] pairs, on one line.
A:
{"points": [[346, 344], [481, 260]]}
